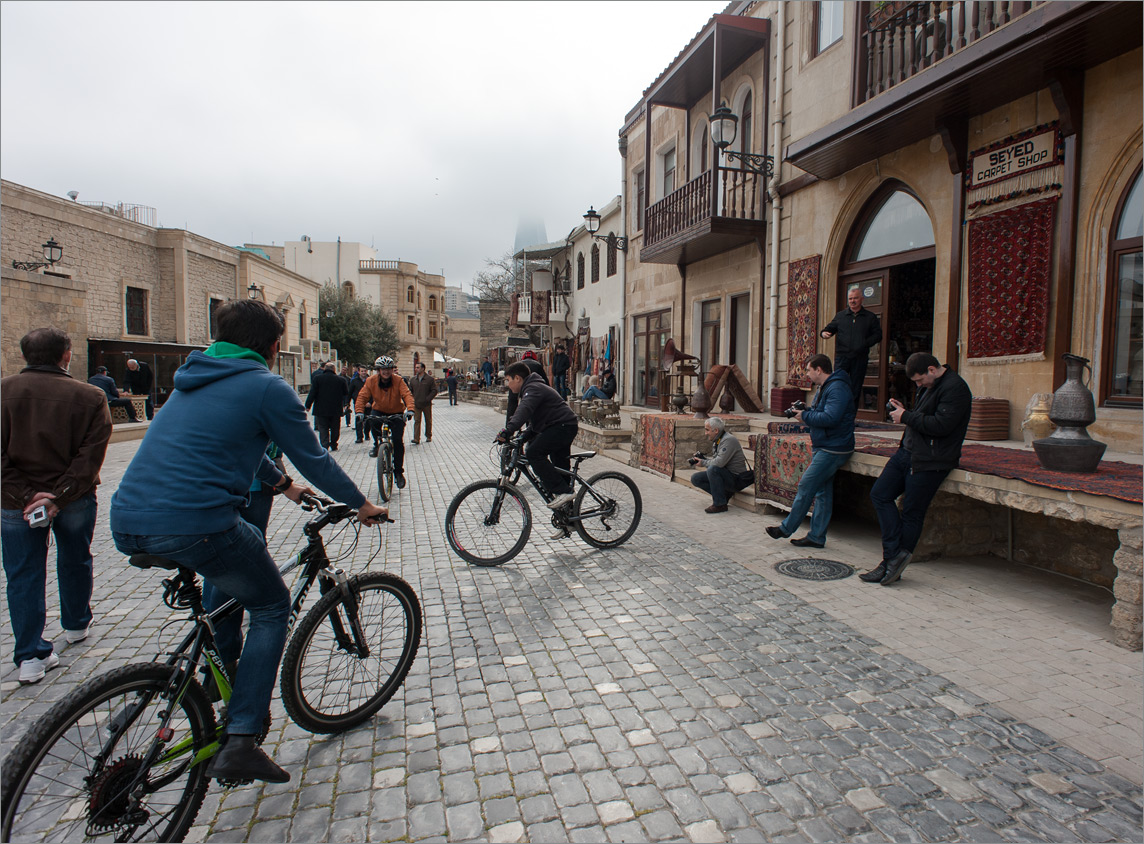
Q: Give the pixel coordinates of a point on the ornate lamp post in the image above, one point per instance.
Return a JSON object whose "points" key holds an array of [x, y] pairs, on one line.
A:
{"points": [[53, 254]]}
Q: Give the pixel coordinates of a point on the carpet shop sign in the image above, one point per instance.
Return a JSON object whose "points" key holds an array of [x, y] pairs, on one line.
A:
{"points": [[1014, 157]]}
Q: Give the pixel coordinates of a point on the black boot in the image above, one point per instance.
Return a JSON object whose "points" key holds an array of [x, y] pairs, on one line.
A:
{"points": [[874, 575], [241, 759], [895, 567]]}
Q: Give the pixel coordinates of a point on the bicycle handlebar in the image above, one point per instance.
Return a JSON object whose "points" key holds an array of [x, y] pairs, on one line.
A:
{"points": [[330, 512]]}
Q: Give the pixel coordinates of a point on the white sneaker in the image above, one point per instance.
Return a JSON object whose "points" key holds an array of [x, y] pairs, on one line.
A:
{"points": [[560, 534], [33, 670], [74, 636], [560, 500]]}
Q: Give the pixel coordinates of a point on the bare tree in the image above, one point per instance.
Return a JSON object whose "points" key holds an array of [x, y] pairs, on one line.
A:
{"points": [[500, 278]]}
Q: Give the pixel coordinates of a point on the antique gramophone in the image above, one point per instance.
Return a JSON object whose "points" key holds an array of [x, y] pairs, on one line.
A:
{"points": [[699, 400]]}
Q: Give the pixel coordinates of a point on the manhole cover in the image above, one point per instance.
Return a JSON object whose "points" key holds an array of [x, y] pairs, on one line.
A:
{"points": [[809, 568]]}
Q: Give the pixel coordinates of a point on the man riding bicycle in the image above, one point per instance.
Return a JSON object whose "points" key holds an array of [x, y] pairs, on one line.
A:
{"points": [[390, 396], [181, 495]]}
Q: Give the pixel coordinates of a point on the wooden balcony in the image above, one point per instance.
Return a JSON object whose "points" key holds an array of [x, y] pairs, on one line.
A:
{"points": [[698, 221], [922, 69]]}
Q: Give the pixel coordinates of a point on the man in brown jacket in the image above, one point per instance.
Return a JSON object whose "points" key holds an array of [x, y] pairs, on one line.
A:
{"points": [[53, 437], [424, 389], [388, 395]]}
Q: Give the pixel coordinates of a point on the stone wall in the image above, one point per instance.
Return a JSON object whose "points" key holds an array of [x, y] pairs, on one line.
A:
{"points": [[208, 277], [32, 300]]}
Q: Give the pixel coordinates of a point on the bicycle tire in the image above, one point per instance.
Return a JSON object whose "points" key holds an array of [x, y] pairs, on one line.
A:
{"points": [[48, 796], [469, 532], [385, 471], [315, 662], [626, 518]]}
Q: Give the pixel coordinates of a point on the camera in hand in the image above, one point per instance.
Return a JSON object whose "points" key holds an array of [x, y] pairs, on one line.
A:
{"points": [[890, 407], [793, 409], [694, 459]]}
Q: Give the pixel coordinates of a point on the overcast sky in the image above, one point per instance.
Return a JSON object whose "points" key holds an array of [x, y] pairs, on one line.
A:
{"points": [[427, 129]]}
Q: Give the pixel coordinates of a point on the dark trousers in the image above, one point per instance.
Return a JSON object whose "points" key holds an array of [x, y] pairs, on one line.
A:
{"points": [[452, 395], [329, 428], [548, 452], [359, 425], [127, 405], [721, 482], [398, 430], [855, 367], [900, 532], [560, 384]]}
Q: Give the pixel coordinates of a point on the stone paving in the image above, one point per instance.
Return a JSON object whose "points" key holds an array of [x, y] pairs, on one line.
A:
{"points": [[657, 692]]}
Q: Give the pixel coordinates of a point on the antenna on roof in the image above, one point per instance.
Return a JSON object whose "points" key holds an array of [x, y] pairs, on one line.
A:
{"points": [[73, 195]]}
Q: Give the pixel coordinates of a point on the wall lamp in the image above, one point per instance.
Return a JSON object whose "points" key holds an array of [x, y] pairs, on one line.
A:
{"points": [[255, 292], [592, 218], [314, 319], [53, 254], [724, 126]]}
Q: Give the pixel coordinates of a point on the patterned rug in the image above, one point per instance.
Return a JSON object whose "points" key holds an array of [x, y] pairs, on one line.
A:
{"points": [[802, 314], [1010, 262], [657, 442], [1112, 478], [781, 458]]}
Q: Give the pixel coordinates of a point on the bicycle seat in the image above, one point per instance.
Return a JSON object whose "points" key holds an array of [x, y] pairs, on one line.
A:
{"points": [[150, 561], [581, 455]]}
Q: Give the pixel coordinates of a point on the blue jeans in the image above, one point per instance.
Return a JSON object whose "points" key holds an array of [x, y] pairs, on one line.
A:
{"points": [[817, 485], [900, 532], [722, 483], [25, 551], [237, 563], [594, 393], [560, 384]]}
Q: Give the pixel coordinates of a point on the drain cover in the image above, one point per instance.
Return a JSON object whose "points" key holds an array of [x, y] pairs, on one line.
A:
{"points": [[809, 568]]}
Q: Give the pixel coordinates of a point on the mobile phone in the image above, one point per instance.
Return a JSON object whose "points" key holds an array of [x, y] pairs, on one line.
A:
{"points": [[39, 517]]}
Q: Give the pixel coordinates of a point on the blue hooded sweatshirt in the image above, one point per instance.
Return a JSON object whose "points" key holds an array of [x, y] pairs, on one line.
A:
{"points": [[831, 416], [207, 444]]}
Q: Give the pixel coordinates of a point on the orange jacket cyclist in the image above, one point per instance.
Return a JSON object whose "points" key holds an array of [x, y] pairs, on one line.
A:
{"points": [[389, 395]]}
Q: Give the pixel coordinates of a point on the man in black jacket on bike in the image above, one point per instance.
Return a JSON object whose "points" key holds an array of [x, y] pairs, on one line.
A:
{"points": [[930, 448], [553, 426]]}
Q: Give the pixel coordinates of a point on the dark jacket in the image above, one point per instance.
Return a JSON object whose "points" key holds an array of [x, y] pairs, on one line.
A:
{"points": [[356, 383], [513, 398], [451, 382], [105, 383], [608, 385], [327, 394], [203, 450], [53, 436], [424, 389], [831, 415], [935, 428], [139, 382], [560, 364], [854, 333], [541, 406]]}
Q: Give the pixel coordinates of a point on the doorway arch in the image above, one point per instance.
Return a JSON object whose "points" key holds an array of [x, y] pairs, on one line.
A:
{"points": [[890, 255]]}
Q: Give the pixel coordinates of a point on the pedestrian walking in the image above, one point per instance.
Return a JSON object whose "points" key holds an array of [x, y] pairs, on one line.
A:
{"points": [[356, 383], [560, 366], [423, 386], [327, 396], [451, 384], [53, 436]]}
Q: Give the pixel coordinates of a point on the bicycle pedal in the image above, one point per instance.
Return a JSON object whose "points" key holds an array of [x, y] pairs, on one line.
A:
{"points": [[233, 783]]}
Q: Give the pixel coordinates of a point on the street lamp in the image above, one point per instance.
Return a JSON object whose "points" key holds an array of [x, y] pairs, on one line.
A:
{"points": [[724, 127], [53, 254], [255, 292], [592, 219]]}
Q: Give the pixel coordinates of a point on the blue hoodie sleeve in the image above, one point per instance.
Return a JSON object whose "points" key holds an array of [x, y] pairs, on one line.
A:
{"points": [[835, 405], [285, 421]]}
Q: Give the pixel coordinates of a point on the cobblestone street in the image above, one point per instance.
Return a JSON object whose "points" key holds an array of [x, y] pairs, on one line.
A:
{"points": [[665, 690]]}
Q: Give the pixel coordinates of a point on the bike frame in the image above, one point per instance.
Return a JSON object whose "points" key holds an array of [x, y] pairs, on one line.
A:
{"points": [[517, 464], [380, 424]]}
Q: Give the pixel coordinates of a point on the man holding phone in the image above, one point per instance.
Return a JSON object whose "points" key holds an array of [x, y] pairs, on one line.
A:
{"points": [[53, 436]]}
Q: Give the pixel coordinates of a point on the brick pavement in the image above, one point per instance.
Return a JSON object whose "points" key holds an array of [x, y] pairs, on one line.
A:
{"points": [[672, 689]]}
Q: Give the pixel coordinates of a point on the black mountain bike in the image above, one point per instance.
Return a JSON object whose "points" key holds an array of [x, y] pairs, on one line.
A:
{"points": [[489, 522], [381, 425], [125, 754]]}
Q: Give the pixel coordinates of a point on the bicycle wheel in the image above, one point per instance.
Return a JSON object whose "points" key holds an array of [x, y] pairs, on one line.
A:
{"points": [[619, 510], [487, 524], [327, 686], [68, 777], [385, 471]]}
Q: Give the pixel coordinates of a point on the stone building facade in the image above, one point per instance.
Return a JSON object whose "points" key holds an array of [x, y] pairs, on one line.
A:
{"points": [[415, 301], [124, 289]]}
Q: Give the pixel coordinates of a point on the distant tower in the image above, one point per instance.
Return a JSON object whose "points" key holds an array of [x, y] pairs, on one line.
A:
{"points": [[529, 232]]}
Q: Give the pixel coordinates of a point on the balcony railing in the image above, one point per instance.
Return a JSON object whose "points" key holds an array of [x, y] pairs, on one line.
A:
{"points": [[741, 196], [375, 264], [903, 39]]}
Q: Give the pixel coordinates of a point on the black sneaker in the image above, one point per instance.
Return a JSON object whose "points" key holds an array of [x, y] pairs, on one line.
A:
{"points": [[775, 532], [373, 451], [875, 575], [399, 480], [241, 759], [895, 567]]}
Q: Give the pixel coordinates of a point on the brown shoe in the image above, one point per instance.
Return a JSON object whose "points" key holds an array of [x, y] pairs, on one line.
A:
{"points": [[716, 508]]}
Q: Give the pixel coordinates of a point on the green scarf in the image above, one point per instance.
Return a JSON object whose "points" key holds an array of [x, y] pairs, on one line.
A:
{"points": [[222, 349]]}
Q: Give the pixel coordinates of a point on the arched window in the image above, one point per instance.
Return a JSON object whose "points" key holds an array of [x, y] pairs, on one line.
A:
{"points": [[580, 271], [409, 294], [745, 124], [899, 225], [348, 289], [595, 262], [612, 250], [1124, 306], [432, 302]]}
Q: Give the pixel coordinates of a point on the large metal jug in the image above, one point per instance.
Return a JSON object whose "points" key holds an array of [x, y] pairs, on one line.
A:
{"points": [[1070, 448]]}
